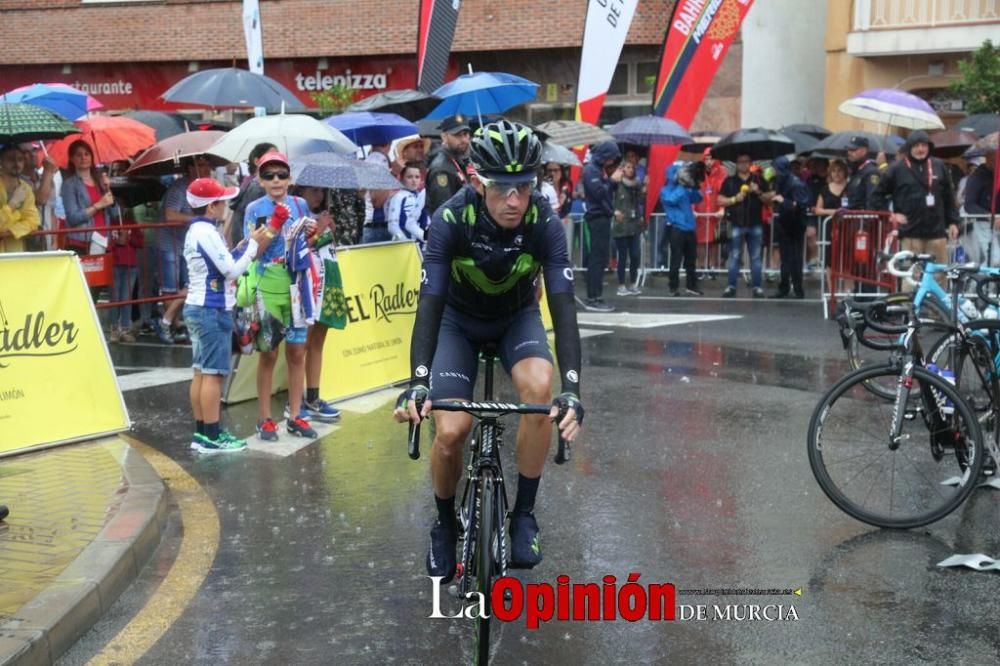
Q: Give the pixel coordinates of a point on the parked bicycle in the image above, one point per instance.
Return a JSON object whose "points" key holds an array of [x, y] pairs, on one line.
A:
{"points": [[483, 511], [906, 462]]}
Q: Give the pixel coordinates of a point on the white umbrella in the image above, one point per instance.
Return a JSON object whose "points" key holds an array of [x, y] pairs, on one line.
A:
{"points": [[892, 107], [294, 135]]}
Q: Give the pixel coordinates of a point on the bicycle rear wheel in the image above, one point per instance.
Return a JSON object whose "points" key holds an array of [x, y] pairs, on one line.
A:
{"points": [[485, 562], [910, 482]]}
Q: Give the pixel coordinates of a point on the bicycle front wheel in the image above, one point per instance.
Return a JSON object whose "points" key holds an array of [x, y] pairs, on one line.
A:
{"points": [[900, 482], [485, 563]]}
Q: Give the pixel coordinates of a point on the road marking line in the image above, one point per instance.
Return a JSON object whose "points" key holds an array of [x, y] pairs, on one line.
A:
{"points": [[199, 545], [151, 378], [640, 320]]}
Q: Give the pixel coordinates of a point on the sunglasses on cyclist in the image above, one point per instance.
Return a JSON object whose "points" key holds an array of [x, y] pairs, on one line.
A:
{"points": [[520, 189], [275, 175]]}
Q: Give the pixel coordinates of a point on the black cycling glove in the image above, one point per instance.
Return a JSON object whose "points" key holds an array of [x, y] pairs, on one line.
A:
{"points": [[417, 393], [563, 402]]}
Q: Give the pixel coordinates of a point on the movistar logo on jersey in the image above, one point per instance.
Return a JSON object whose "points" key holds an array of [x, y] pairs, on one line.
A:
{"points": [[464, 268]]}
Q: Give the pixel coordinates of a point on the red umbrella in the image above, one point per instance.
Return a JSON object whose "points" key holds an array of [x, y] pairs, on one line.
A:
{"points": [[164, 157], [111, 137]]}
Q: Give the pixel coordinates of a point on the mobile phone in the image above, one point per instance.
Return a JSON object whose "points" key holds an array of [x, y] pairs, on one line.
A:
{"points": [[261, 221]]}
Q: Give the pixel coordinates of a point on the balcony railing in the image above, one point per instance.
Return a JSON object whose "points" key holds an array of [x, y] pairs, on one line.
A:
{"points": [[897, 14]]}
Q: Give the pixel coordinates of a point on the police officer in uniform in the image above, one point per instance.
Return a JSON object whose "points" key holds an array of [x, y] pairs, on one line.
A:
{"points": [[446, 172], [864, 174]]}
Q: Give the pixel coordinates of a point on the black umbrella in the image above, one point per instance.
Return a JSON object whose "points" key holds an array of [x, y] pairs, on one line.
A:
{"points": [[951, 143], [649, 130], [803, 142], [165, 125], [806, 128], [411, 104], [233, 88], [757, 142], [979, 124], [836, 144], [131, 192]]}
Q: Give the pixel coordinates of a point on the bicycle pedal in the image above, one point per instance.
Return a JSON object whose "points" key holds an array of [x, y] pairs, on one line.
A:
{"points": [[459, 571]]}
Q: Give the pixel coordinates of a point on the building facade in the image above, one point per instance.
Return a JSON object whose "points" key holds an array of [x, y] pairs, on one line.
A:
{"points": [[127, 52], [912, 45]]}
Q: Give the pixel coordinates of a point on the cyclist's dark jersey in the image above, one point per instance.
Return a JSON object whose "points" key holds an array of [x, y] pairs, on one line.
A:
{"points": [[488, 272]]}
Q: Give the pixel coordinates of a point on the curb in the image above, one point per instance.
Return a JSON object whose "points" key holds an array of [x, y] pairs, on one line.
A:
{"points": [[48, 625]]}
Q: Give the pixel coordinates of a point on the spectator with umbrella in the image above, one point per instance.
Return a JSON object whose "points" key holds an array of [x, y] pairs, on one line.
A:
{"points": [[600, 178], [86, 195], [922, 198], [792, 202], [18, 214], [744, 197]]}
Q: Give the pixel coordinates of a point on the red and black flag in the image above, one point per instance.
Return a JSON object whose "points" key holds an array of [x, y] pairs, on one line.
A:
{"points": [[437, 30]]}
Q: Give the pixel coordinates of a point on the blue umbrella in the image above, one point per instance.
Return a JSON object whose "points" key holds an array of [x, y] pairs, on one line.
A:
{"points": [[65, 100], [367, 128], [481, 93], [649, 131]]}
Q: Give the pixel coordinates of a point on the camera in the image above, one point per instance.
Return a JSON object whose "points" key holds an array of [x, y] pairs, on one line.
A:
{"points": [[692, 174]]}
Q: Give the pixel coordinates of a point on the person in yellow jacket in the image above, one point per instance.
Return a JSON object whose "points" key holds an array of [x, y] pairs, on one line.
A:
{"points": [[18, 214]]}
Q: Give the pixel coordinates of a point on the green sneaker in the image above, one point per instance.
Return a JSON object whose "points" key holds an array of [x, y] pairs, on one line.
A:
{"points": [[226, 443]]}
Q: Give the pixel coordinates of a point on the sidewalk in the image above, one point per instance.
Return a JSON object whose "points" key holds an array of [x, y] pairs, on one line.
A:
{"points": [[84, 520]]}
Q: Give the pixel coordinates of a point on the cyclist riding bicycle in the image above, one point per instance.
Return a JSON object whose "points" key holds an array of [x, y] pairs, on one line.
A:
{"points": [[487, 246]]}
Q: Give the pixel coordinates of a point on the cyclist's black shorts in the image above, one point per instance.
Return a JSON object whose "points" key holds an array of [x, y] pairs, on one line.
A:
{"points": [[456, 360]]}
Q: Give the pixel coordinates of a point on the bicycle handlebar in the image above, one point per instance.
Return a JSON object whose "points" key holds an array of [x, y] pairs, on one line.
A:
{"points": [[485, 408], [891, 268]]}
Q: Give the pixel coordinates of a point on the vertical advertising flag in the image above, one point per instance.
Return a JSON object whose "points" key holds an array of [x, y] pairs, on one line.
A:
{"points": [[604, 35], [698, 37], [437, 30], [254, 41]]}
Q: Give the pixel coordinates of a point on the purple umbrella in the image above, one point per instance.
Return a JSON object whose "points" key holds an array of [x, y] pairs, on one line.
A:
{"points": [[892, 107]]}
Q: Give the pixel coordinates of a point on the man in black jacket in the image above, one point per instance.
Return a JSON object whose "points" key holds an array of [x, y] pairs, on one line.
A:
{"points": [[791, 203], [864, 176], [979, 196], [600, 178], [922, 198], [446, 171]]}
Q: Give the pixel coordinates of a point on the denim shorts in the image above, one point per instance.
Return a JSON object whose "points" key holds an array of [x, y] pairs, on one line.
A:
{"points": [[211, 331]]}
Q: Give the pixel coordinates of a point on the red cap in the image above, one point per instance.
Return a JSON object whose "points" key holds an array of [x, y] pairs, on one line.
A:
{"points": [[705, 154], [273, 156], [204, 191]]}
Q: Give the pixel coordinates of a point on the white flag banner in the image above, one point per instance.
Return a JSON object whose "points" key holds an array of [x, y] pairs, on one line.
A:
{"points": [[604, 36], [254, 40]]}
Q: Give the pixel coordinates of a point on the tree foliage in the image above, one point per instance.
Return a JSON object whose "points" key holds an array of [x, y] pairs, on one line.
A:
{"points": [[980, 82], [334, 99]]}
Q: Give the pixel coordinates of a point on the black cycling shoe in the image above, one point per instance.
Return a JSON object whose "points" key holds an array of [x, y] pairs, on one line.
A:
{"points": [[4, 511], [525, 551], [441, 555]]}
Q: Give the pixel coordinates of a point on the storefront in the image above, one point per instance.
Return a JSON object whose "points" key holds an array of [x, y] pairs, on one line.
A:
{"points": [[131, 86]]}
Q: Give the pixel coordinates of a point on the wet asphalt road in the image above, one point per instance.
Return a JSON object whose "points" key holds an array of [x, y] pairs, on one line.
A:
{"points": [[692, 470]]}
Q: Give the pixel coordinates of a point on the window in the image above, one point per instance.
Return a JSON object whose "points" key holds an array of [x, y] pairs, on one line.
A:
{"points": [[620, 83], [645, 77]]}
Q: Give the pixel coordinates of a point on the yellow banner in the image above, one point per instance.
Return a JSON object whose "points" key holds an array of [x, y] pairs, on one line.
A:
{"points": [[57, 383], [381, 287]]}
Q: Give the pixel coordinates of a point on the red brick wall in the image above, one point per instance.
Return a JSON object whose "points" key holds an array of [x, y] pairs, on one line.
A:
{"points": [[66, 31]]}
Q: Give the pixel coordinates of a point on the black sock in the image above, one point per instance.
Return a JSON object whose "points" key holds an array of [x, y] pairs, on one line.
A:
{"points": [[212, 431], [446, 511], [526, 491], [199, 427], [312, 394]]}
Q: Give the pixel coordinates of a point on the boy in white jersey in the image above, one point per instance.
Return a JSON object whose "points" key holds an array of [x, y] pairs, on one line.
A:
{"points": [[208, 308]]}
